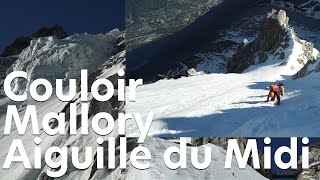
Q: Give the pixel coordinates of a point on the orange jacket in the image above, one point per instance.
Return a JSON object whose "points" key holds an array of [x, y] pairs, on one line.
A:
{"points": [[274, 87]]}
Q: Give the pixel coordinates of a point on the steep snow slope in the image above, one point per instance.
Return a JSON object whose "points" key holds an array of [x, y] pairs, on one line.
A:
{"points": [[17, 171], [231, 104], [53, 58]]}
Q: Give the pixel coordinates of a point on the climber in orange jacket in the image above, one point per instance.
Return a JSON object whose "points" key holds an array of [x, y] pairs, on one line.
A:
{"points": [[275, 92]]}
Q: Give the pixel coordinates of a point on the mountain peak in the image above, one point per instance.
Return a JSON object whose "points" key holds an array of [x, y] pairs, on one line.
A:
{"points": [[22, 42], [55, 30]]}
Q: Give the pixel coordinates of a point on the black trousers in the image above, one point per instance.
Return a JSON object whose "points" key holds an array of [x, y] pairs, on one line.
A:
{"points": [[277, 95]]}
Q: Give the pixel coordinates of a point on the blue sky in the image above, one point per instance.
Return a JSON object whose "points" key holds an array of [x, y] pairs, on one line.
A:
{"points": [[20, 17]]}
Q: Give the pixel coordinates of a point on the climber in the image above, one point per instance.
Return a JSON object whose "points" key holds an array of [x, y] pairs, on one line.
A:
{"points": [[281, 90], [275, 92]]}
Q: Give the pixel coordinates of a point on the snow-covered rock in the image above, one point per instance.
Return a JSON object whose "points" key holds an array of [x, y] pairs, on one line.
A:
{"points": [[107, 70], [21, 43], [309, 8], [51, 58], [310, 67], [272, 34], [193, 72], [313, 172]]}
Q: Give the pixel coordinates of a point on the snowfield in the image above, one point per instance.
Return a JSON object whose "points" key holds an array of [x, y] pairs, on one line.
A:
{"points": [[233, 104]]}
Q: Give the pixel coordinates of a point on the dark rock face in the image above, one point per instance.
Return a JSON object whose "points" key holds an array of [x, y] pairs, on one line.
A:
{"points": [[153, 19], [121, 43], [55, 30], [16, 47], [22, 42], [242, 142], [271, 35], [131, 144], [306, 71], [44, 176], [314, 158]]}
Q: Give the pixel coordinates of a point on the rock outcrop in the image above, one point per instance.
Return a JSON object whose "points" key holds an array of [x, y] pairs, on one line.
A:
{"points": [[16, 47], [193, 72], [311, 66], [223, 142], [121, 43], [22, 42], [314, 162], [272, 34], [55, 30]]}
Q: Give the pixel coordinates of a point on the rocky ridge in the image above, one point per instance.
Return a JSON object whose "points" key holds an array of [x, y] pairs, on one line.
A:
{"points": [[272, 35], [22, 42]]}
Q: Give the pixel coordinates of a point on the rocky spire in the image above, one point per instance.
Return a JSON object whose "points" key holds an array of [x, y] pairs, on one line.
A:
{"points": [[272, 34]]}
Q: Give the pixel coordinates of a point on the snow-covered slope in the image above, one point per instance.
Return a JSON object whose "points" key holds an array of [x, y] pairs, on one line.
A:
{"points": [[232, 104], [17, 171], [158, 169], [52, 58]]}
